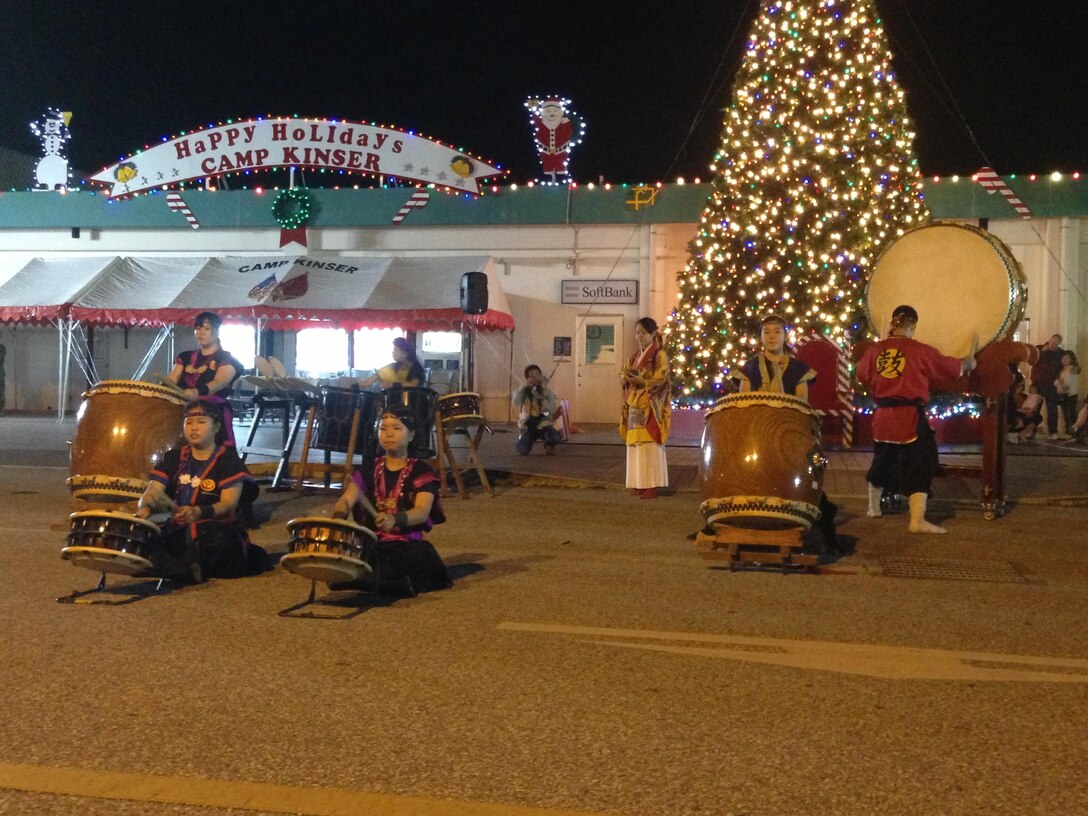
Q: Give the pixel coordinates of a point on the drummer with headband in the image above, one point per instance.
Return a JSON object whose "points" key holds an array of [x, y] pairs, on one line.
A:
{"points": [[404, 371], [200, 485], [775, 370], [208, 371], [899, 371], [402, 496]]}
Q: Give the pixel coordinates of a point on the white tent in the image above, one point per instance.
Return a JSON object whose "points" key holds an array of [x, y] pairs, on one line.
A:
{"points": [[275, 291], [293, 291]]}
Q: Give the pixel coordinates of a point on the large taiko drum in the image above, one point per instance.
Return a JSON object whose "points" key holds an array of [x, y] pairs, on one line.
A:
{"points": [[338, 406], [421, 402], [122, 428], [964, 283], [762, 465], [326, 549], [462, 408], [109, 541]]}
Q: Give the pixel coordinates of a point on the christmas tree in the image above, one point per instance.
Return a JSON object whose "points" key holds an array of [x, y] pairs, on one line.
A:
{"points": [[815, 175]]}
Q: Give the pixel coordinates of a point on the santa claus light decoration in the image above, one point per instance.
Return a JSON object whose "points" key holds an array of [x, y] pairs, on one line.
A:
{"points": [[556, 130]]}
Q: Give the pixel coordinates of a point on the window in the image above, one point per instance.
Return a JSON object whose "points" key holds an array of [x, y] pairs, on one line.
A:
{"points": [[374, 347], [320, 352], [241, 341]]}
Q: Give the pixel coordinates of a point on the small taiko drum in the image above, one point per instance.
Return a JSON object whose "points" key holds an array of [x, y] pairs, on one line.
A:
{"points": [[327, 549], [462, 408], [762, 466], [123, 427], [965, 284], [110, 541]]}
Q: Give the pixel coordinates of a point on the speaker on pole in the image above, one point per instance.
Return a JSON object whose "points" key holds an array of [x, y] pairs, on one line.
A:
{"points": [[474, 293]]}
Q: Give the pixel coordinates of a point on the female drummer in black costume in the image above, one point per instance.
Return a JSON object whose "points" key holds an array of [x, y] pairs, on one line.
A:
{"points": [[405, 369], [404, 491], [200, 485], [208, 371]]}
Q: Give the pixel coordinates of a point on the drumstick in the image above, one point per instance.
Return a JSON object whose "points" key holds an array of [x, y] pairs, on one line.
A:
{"points": [[368, 506]]}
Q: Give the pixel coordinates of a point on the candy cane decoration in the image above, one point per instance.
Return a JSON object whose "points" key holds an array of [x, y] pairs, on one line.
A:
{"points": [[993, 183], [176, 203], [845, 393], [417, 200]]}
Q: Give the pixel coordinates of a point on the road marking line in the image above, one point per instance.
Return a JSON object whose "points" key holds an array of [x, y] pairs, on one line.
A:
{"points": [[222, 793], [889, 662]]}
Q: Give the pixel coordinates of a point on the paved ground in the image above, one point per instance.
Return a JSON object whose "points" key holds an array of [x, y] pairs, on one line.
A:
{"points": [[586, 660]]}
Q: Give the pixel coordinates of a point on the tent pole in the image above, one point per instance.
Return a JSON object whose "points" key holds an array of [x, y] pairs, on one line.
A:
{"points": [[60, 368], [65, 367]]}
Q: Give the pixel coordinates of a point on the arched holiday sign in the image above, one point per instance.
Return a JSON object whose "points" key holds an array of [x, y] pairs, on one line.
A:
{"points": [[261, 144]]}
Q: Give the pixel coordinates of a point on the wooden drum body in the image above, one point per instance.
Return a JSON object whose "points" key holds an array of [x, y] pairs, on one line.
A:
{"points": [[326, 549], [108, 541], [122, 428], [964, 283], [461, 408], [762, 466]]}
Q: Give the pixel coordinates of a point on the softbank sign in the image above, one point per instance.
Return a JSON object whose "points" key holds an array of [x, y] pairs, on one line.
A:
{"points": [[580, 290]]}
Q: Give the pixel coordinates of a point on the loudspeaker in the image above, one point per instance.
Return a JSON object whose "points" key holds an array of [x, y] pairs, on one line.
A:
{"points": [[474, 293]]}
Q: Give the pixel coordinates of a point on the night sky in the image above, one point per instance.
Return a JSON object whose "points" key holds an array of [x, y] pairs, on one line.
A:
{"points": [[987, 82]]}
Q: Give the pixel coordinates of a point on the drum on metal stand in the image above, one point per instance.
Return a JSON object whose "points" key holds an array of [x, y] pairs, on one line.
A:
{"points": [[110, 541], [762, 466], [421, 402], [122, 428], [328, 550]]}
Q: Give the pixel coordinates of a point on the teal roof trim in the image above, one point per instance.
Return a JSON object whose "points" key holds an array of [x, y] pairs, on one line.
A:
{"points": [[524, 206]]}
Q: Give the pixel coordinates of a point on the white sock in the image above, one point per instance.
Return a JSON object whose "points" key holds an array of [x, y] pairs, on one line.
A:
{"points": [[874, 510], [918, 523]]}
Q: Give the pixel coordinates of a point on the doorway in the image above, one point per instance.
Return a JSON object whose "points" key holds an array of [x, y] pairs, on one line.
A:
{"points": [[599, 356]]}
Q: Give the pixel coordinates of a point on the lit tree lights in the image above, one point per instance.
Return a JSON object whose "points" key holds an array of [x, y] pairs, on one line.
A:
{"points": [[814, 176]]}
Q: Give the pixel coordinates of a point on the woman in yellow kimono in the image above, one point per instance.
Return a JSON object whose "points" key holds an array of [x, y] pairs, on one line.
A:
{"points": [[646, 413], [404, 371]]}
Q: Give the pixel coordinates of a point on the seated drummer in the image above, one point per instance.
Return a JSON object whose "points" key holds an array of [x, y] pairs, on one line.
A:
{"points": [[773, 369], [405, 493], [208, 371], [404, 371], [200, 485]]}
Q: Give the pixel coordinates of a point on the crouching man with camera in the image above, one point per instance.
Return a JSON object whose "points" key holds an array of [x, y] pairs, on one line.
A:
{"points": [[536, 404]]}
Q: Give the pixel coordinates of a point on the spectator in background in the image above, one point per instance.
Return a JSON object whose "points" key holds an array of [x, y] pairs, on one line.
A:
{"points": [[1066, 385], [536, 404], [1043, 376]]}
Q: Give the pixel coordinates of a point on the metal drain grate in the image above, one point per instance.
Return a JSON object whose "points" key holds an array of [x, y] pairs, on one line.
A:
{"points": [[951, 569]]}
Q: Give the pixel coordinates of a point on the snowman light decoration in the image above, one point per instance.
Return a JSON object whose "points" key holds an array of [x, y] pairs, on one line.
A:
{"points": [[52, 130]]}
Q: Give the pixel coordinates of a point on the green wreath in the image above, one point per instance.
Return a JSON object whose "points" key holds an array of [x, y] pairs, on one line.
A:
{"points": [[292, 208]]}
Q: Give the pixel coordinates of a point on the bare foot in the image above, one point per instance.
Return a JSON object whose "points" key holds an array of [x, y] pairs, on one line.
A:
{"points": [[926, 527], [873, 513]]}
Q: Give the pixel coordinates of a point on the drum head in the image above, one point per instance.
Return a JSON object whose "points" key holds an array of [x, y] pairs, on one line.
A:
{"points": [[100, 559], [325, 567], [963, 282]]}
